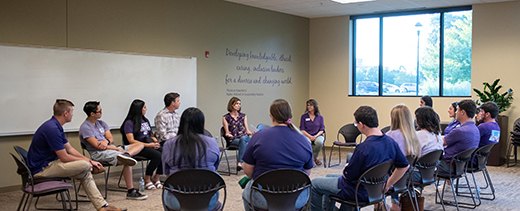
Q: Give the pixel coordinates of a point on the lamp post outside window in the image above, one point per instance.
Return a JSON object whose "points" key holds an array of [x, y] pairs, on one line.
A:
{"points": [[418, 26]]}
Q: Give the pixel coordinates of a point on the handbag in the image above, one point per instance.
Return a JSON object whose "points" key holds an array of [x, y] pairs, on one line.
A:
{"points": [[406, 204]]}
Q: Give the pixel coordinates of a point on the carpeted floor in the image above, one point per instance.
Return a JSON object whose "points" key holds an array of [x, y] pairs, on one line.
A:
{"points": [[505, 180]]}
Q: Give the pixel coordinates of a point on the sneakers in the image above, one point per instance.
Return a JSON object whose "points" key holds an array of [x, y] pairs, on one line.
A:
{"points": [[111, 208], [135, 195], [126, 159]]}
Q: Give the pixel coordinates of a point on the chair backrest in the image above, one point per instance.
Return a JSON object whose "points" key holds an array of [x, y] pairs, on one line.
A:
{"points": [[207, 133], [386, 129], [22, 153], [194, 188], [281, 187], [460, 161], [349, 133], [481, 156], [374, 180], [24, 172], [427, 164], [224, 142], [402, 184]]}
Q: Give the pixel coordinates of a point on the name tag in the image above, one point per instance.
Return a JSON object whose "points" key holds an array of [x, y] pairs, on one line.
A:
{"points": [[308, 119]]}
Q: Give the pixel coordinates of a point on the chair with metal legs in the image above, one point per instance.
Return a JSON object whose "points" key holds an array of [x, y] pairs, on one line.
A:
{"points": [[32, 189], [226, 146], [459, 162], [350, 134], [374, 180], [480, 156]]}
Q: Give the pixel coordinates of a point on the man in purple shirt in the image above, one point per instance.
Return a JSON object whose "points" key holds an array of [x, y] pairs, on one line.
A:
{"points": [[51, 155], [461, 138], [489, 129], [363, 158]]}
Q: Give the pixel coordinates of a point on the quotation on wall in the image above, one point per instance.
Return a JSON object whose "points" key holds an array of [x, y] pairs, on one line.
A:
{"points": [[256, 68]]}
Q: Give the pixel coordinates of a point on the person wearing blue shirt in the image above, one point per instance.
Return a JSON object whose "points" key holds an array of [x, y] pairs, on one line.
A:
{"points": [[363, 158], [51, 155], [489, 129], [461, 138]]}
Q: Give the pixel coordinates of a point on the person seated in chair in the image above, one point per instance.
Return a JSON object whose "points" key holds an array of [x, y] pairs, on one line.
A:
{"points": [[363, 159], [190, 149], [277, 147], [99, 142], [167, 120], [460, 138], [51, 155], [489, 129]]}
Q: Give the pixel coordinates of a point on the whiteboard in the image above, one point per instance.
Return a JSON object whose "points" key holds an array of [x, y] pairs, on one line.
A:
{"points": [[31, 79]]}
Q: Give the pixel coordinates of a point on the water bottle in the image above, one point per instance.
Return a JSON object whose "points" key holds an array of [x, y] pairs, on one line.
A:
{"points": [[141, 185]]}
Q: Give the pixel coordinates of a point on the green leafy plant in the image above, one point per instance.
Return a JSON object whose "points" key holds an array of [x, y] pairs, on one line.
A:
{"points": [[491, 93]]}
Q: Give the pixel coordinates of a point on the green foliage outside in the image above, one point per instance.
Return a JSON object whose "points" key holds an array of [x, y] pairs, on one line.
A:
{"points": [[457, 59]]}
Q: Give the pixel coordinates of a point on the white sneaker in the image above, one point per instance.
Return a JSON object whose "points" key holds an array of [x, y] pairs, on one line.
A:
{"points": [[126, 160]]}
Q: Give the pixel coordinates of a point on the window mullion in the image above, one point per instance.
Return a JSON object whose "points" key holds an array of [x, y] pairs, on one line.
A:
{"points": [[380, 56]]}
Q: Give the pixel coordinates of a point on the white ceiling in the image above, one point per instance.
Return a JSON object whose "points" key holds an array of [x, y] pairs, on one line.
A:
{"points": [[326, 8]]}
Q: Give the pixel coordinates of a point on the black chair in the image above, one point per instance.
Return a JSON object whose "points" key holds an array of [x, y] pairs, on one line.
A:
{"points": [[350, 134], [459, 162], [207, 133], [280, 188], [32, 189], [374, 180], [106, 174], [514, 143], [426, 165], [480, 156], [403, 185], [386, 129], [194, 189], [226, 146]]}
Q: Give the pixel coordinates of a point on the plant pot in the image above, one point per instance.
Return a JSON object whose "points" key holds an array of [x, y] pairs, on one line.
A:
{"points": [[498, 152]]}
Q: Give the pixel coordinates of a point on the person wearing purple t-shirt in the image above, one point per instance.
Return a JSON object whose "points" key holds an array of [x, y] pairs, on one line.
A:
{"points": [[312, 126], [277, 147], [489, 129], [461, 138], [363, 158], [452, 114], [95, 135], [188, 150], [136, 129]]}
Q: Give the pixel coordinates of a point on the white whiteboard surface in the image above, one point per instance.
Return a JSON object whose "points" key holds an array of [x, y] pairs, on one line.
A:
{"points": [[31, 79]]}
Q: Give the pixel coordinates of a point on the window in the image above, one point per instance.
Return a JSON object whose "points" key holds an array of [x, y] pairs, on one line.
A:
{"points": [[413, 53]]}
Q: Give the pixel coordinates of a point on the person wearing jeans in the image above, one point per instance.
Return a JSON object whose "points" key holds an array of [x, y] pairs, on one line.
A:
{"points": [[235, 126]]}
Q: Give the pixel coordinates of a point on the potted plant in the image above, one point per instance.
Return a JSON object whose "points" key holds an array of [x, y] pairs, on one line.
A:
{"points": [[491, 93], [503, 101]]}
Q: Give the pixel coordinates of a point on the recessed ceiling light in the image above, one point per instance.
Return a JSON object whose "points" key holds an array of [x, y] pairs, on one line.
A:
{"points": [[350, 1]]}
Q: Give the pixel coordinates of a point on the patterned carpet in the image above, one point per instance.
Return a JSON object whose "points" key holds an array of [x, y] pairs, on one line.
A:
{"points": [[506, 182]]}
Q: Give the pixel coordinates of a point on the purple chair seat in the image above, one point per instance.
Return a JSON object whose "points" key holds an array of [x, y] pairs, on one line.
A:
{"points": [[46, 187]]}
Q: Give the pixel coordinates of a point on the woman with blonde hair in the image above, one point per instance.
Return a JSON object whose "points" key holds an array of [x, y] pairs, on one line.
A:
{"points": [[403, 132]]}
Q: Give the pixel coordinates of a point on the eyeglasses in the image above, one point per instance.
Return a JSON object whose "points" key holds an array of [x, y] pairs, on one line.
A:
{"points": [[100, 111]]}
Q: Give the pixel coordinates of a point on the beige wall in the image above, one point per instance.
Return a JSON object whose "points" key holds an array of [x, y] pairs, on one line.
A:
{"points": [[496, 49], [172, 28]]}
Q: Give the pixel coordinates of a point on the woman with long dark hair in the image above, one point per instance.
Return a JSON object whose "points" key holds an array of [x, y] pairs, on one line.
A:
{"points": [[280, 146], [190, 149], [429, 132], [313, 127], [136, 128]]}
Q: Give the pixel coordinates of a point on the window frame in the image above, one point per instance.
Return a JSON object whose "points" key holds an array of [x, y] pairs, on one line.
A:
{"points": [[353, 18]]}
